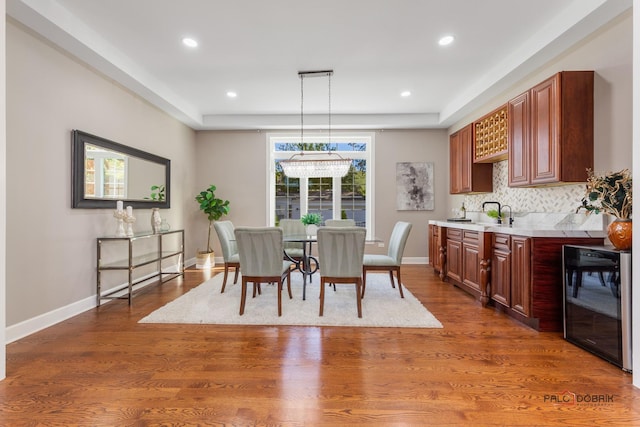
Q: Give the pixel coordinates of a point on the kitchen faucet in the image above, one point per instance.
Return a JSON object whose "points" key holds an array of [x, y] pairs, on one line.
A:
{"points": [[510, 214], [499, 209]]}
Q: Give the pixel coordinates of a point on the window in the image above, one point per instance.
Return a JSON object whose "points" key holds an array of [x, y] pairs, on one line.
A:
{"points": [[105, 174], [346, 197]]}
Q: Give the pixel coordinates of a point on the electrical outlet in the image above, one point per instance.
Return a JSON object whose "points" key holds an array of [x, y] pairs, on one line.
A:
{"points": [[381, 245]]}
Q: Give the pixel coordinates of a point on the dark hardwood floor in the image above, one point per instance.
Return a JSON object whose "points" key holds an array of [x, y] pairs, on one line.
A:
{"points": [[102, 368]]}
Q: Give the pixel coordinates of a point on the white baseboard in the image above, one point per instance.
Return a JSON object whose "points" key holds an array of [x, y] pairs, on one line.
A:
{"points": [[415, 260], [38, 323], [35, 324]]}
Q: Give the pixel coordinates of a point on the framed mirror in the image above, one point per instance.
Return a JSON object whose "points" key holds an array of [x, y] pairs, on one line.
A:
{"points": [[104, 172]]}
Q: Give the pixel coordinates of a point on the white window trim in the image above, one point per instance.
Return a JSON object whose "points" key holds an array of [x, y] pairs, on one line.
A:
{"points": [[368, 155]]}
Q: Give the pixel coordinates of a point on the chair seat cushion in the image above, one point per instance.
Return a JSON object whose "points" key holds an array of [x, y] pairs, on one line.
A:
{"points": [[378, 260], [294, 252], [286, 265]]}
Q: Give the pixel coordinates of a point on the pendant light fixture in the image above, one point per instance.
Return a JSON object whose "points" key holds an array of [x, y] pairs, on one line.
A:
{"points": [[318, 164]]}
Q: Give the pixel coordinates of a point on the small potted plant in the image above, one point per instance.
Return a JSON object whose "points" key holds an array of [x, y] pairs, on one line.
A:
{"points": [[311, 221], [493, 214], [157, 193], [611, 194], [215, 209]]}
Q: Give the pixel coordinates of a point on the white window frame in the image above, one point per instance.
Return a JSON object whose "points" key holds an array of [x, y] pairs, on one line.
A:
{"points": [[367, 138], [98, 157]]}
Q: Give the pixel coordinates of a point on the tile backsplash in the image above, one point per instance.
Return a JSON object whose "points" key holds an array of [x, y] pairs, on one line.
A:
{"points": [[557, 199]]}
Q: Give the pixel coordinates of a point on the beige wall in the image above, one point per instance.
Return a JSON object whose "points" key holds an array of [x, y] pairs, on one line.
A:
{"points": [[236, 163], [609, 54], [51, 248]]}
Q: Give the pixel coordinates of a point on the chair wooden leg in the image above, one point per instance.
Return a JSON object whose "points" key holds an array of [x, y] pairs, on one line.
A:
{"points": [[393, 285], [322, 285], [399, 283], [364, 281], [257, 288], [243, 296], [224, 279], [280, 297], [359, 296], [235, 277], [289, 284]]}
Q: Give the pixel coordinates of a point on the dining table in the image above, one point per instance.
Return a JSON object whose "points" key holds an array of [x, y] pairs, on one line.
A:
{"points": [[307, 264]]}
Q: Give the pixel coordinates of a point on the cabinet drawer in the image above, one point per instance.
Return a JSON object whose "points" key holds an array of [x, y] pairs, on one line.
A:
{"points": [[501, 241], [470, 236], [454, 233]]}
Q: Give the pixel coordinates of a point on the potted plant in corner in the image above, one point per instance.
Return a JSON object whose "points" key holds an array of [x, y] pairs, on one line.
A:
{"points": [[214, 208], [612, 194]]}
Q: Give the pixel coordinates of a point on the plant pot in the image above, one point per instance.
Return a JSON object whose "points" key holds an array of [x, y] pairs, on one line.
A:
{"points": [[620, 235], [312, 230], [205, 260]]}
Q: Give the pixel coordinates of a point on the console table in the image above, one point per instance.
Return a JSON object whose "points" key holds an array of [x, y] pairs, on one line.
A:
{"points": [[133, 260]]}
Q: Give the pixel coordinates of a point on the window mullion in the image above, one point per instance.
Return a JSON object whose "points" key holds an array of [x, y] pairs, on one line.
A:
{"points": [[304, 196], [337, 198]]}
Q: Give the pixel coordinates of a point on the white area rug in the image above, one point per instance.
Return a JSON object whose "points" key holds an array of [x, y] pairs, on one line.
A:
{"points": [[381, 306]]}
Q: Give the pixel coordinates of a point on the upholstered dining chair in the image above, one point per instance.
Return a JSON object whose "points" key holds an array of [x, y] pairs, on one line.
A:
{"points": [[260, 250], [340, 223], [224, 229], [392, 261], [341, 251], [293, 227]]}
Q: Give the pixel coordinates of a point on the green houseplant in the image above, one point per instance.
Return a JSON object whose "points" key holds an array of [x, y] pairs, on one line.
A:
{"points": [[215, 209], [311, 219], [311, 222], [493, 214], [157, 192]]}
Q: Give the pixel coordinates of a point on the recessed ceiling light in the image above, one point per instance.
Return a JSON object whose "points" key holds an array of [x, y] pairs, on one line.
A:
{"points": [[187, 41], [405, 93], [231, 94], [445, 40]]}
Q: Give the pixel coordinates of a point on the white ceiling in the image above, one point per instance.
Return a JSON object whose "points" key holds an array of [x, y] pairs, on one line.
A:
{"points": [[376, 48]]}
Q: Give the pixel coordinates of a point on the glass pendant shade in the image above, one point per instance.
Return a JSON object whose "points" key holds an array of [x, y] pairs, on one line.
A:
{"points": [[320, 168], [324, 166]]}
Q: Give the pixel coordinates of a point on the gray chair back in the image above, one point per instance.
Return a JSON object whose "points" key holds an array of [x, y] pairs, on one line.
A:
{"points": [[293, 227], [260, 250], [398, 240], [341, 251], [225, 229]]}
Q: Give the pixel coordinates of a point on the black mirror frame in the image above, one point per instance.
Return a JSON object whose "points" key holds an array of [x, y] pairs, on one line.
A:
{"points": [[78, 139]]}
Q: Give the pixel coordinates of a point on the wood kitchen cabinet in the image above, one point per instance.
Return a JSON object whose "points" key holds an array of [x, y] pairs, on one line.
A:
{"points": [[521, 275], [434, 247], [465, 176], [510, 272], [467, 261], [501, 269], [454, 254], [526, 277], [551, 131]]}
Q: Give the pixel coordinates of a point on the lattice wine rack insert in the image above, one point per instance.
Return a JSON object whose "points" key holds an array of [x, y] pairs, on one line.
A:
{"points": [[490, 136]]}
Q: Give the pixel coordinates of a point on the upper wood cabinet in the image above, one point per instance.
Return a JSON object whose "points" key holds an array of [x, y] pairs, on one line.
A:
{"points": [[466, 176], [551, 131]]}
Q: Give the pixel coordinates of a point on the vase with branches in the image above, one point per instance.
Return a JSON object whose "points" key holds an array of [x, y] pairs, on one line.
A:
{"points": [[611, 194]]}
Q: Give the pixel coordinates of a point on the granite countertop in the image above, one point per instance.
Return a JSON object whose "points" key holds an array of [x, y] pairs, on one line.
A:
{"points": [[534, 225]]}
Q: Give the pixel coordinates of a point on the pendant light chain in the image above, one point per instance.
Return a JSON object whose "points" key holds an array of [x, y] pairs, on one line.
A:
{"points": [[301, 109], [329, 77]]}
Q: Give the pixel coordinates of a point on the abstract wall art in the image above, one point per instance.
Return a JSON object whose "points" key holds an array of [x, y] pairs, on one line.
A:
{"points": [[414, 186]]}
